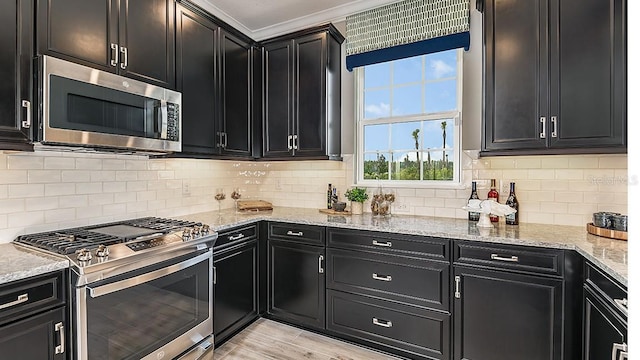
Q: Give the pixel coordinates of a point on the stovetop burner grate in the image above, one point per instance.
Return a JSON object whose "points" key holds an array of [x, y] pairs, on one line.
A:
{"points": [[68, 241]]}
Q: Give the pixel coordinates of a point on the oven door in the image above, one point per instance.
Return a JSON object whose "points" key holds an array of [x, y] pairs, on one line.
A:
{"points": [[157, 312]]}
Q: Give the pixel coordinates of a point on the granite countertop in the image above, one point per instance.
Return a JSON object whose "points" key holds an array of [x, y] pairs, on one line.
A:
{"points": [[18, 263], [608, 254]]}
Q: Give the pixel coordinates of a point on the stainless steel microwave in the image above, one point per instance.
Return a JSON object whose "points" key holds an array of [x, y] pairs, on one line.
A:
{"points": [[82, 106]]}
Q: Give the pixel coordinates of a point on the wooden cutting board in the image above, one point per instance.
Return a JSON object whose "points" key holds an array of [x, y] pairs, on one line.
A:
{"points": [[613, 234], [254, 205], [333, 212]]}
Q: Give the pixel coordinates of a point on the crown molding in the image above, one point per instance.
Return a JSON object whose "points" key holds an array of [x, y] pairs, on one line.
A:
{"points": [[335, 14]]}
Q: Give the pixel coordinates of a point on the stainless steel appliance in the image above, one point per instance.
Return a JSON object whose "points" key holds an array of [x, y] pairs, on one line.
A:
{"points": [[81, 106], [141, 289]]}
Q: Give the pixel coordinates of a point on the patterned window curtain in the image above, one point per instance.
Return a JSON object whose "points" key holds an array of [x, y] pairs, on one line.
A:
{"points": [[406, 28]]}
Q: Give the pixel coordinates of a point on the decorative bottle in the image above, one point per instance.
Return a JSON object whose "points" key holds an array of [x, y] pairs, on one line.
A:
{"points": [[474, 216], [493, 194], [512, 202], [329, 197]]}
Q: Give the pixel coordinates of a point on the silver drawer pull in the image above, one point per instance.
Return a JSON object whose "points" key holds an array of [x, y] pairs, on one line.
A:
{"points": [[508, 259], [60, 329], [382, 278], [291, 233], [622, 304], [383, 244], [21, 298], [383, 323], [237, 237]]}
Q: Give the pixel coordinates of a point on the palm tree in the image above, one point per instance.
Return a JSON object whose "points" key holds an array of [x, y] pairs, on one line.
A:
{"points": [[443, 126], [415, 138]]}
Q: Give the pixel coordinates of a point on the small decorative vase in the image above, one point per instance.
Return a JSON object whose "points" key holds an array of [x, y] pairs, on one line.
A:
{"points": [[356, 208]]}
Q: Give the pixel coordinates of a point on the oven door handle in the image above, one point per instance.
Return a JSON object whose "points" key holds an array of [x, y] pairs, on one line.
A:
{"points": [[141, 279]]}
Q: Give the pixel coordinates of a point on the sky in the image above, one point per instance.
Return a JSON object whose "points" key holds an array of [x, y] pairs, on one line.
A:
{"points": [[407, 87]]}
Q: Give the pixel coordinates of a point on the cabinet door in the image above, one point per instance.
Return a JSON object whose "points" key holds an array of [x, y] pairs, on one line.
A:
{"points": [[277, 122], [196, 48], [588, 98], [296, 283], [147, 33], [236, 289], [503, 316], [15, 72], [516, 69], [310, 79], [35, 337], [602, 328], [235, 91], [81, 31]]}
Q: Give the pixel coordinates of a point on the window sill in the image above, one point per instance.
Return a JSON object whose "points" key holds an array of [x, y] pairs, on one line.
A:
{"points": [[412, 185]]}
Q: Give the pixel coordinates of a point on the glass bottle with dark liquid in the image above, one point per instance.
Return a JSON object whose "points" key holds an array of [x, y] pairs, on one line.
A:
{"points": [[474, 216], [493, 194], [512, 202]]}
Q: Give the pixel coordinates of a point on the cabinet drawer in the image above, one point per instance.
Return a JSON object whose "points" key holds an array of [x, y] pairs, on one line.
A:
{"points": [[403, 328], [237, 235], [613, 293], [28, 296], [398, 278], [295, 232], [521, 258], [400, 244]]}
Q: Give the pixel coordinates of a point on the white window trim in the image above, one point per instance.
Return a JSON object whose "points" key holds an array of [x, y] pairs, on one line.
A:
{"points": [[456, 183]]}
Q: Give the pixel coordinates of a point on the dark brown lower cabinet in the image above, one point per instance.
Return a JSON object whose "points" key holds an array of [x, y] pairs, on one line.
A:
{"points": [[415, 332], [235, 289], [296, 283], [504, 316]]}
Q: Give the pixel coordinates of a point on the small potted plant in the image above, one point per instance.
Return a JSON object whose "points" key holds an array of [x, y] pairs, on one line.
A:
{"points": [[357, 196]]}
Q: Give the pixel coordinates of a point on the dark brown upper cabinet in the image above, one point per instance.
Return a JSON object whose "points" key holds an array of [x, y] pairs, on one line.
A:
{"points": [[301, 115], [555, 76], [16, 103], [134, 38], [215, 76]]}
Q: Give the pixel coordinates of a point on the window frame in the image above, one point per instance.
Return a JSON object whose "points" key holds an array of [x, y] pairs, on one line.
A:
{"points": [[360, 122]]}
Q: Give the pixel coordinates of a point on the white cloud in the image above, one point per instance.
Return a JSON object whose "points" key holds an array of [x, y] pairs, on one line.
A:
{"points": [[440, 68], [378, 110]]}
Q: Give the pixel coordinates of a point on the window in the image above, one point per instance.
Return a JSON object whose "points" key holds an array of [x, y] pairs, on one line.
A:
{"points": [[408, 120]]}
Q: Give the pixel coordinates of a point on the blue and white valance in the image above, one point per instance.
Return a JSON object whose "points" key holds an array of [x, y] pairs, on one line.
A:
{"points": [[406, 28]]}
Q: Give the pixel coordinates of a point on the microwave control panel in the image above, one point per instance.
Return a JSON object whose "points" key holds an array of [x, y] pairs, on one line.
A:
{"points": [[173, 122]]}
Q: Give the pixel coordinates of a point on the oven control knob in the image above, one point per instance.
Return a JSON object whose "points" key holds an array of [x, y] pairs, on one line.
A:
{"points": [[186, 234], [102, 251], [205, 229], [84, 255], [196, 231]]}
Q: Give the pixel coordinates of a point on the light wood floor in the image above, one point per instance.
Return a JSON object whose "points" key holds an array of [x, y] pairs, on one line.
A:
{"points": [[268, 340]]}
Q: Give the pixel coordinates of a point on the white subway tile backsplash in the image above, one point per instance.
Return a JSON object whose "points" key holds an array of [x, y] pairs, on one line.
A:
{"points": [[59, 215], [59, 163], [88, 164], [25, 190], [43, 176], [26, 219], [13, 177], [569, 197], [73, 201], [613, 162], [41, 203], [100, 199], [102, 176], [89, 188], [4, 192], [76, 176], [59, 189], [10, 206], [554, 162], [113, 164], [23, 161]]}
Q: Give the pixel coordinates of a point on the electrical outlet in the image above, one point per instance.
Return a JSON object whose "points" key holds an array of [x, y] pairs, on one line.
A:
{"points": [[278, 184], [401, 208], [186, 188]]}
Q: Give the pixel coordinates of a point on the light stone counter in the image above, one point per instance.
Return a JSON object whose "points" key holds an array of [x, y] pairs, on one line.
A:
{"points": [[609, 255], [18, 263]]}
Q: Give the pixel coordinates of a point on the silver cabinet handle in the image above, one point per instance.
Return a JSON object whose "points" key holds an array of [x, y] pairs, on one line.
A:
{"points": [[60, 330], [114, 55], [215, 275], [291, 233], [554, 126], [237, 237], [21, 298], [295, 142], [457, 293], [543, 133], [381, 278], [507, 259], [224, 137], [27, 105], [290, 142], [320, 268], [383, 244], [125, 57], [618, 347], [383, 323], [219, 135], [622, 304]]}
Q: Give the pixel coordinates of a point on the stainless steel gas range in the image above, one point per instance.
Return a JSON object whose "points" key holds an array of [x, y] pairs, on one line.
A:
{"points": [[141, 289]]}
